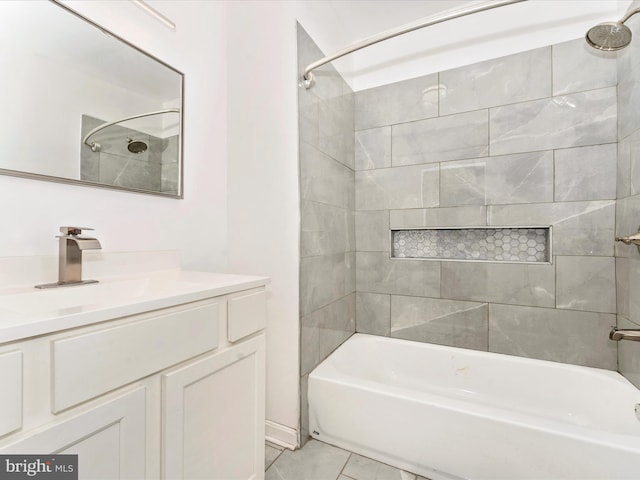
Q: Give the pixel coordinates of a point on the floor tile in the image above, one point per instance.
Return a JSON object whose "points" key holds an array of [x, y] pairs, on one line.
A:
{"points": [[270, 454], [362, 468], [316, 461]]}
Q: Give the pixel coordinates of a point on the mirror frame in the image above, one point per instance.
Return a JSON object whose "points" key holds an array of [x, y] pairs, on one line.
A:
{"points": [[88, 183]]}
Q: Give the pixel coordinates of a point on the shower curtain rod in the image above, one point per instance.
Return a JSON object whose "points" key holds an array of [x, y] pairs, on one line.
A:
{"points": [[132, 117], [308, 77]]}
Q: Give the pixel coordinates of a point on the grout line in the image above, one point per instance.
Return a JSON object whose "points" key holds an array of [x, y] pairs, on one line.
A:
{"points": [[345, 465]]}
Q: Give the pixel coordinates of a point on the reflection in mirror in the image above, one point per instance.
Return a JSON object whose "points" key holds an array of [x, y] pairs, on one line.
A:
{"points": [[71, 80]]}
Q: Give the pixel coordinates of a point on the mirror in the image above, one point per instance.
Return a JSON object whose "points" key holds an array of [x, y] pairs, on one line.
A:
{"points": [[85, 107]]}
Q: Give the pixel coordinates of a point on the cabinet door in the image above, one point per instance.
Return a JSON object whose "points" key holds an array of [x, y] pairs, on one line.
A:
{"points": [[109, 439], [213, 416]]}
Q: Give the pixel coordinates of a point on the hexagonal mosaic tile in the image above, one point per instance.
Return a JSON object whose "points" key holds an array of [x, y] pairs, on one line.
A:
{"points": [[488, 244]]}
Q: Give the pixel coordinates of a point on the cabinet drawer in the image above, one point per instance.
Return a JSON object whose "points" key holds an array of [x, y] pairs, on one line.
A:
{"points": [[11, 392], [247, 314], [91, 364]]}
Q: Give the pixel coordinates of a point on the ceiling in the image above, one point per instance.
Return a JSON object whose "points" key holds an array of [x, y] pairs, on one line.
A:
{"points": [[530, 24]]}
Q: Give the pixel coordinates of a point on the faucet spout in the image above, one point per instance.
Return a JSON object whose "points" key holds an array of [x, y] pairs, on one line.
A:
{"points": [[618, 334], [70, 257]]}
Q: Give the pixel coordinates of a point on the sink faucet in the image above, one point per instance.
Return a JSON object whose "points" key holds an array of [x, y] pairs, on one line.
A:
{"points": [[70, 258]]}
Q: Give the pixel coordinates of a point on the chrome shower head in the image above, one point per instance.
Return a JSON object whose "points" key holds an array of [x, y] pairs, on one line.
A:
{"points": [[609, 36], [136, 146]]}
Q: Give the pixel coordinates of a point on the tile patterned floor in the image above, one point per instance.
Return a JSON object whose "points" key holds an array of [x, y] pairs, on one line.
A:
{"points": [[320, 461]]}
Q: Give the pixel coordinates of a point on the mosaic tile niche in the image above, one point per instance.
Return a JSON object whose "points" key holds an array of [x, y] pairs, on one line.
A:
{"points": [[529, 244]]}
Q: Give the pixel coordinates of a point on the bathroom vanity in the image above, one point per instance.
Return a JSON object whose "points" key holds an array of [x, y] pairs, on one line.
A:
{"points": [[155, 375]]}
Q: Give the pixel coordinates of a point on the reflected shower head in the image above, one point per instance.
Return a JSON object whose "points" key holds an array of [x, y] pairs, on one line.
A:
{"points": [[611, 36], [136, 146]]}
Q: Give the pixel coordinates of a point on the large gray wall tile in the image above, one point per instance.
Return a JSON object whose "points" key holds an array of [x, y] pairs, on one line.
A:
{"points": [[463, 183], [373, 148], [404, 101], [519, 178], [514, 78], [629, 355], [579, 119], [627, 221], [372, 231], [438, 217], [325, 229], [579, 228], [445, 322], [532, 285], [377, 273], [628, 107], [406, 187], [567, 336], [336, 128], [578, 67], [453, 137], [586, 173], [373, 313], [586, 283], [325, 180], [325, 279]]}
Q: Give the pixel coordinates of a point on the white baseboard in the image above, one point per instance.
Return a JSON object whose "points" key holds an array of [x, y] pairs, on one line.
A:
{"points": [[281, 435]]}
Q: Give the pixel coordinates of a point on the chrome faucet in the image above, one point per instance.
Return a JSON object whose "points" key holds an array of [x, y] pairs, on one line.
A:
{"points": [[618, 334], [70, 258]]}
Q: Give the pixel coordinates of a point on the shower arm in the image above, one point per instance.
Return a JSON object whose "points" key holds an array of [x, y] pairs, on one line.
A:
{"points": [[132, 117], [628, 15], [308, 77]]}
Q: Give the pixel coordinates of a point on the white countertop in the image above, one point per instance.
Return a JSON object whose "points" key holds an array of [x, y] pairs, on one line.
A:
{"points": [[26, 311]]}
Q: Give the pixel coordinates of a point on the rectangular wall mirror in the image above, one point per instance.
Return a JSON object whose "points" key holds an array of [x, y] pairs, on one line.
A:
{"points": [[83, 106]]}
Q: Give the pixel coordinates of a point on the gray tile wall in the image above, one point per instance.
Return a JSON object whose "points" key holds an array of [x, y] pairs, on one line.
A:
{"points": [[327, 159], [525, 140], [628, 205]]}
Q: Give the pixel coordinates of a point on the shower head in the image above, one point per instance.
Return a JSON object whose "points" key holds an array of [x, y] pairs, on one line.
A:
{"points": [[136, 146], [611, 36]]}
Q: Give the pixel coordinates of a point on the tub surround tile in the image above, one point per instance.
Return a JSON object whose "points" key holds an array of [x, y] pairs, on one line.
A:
{"points": [[325, 279], [400, 102], [126, 172], [395, 188], [372, 231], [313, 462], [377, 273], [632, 145], [578, 67], [520, 178], [506, 80], [324, 180], [628, 101], [623, 170], [579, 228], [438, 217], [325, 229], [304, 411], [336, 128], [373, 313], [362, 468], [586, 173], [632, 278], [453, 137], [576, 337], [586, 283], [373, 148], [532, 285], [579, 119], [445, 322], [463, 183], [627, 223], [628, 356], [623, 277]]}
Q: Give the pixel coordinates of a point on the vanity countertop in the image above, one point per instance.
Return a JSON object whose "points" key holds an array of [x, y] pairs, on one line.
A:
{"points": [[27, 312]]}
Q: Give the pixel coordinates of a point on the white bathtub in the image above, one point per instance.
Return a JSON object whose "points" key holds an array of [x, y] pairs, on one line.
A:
{"points": [[451, 413]]}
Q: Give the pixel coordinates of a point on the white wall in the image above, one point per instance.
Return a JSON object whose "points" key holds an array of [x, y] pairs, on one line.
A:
{"points": [[263, 180], [33, 210]]}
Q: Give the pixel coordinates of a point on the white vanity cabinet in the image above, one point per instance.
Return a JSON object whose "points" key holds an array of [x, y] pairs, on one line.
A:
{"points": [[173, 393]]}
